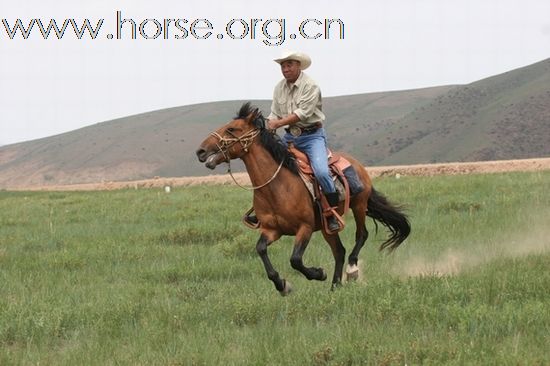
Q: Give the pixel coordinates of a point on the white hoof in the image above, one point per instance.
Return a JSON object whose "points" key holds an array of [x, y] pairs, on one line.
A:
{"points": [[352, 273], [287, 289]]}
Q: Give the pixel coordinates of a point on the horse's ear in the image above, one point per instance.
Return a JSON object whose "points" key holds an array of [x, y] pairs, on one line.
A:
{"points": [[252, 115], [256, 118]]}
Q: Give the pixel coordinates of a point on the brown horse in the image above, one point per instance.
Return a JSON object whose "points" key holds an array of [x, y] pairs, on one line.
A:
{"points": [[284, 205]]}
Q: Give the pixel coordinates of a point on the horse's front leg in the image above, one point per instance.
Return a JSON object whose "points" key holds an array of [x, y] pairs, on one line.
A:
{"points": [[281, 285], [300, 245]]}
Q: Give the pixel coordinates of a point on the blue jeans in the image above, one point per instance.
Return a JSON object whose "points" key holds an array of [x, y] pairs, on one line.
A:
{"points": [[314, 145]]}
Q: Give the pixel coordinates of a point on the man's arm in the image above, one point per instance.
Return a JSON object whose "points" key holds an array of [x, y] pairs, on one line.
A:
{"points": [[307, 102], [274, 124], [306, 107]]}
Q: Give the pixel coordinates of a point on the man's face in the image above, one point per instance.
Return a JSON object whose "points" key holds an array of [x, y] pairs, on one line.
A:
{"points": [[291, 70]]}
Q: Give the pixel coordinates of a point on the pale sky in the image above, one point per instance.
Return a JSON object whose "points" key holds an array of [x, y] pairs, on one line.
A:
{"points": [[55, 85]]}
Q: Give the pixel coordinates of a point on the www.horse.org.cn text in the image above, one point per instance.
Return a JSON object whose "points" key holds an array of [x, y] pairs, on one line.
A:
{"points": [[271, 32]]}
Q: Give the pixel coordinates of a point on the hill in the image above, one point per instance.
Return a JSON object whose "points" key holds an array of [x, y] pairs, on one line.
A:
{"points": [[163, 143], [501, 117]]}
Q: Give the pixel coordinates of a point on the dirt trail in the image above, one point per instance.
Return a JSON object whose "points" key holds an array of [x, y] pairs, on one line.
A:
{"points": [[524, 165]]}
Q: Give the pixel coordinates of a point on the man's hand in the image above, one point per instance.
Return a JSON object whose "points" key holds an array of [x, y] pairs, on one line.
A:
{"points": [[272, 124]]}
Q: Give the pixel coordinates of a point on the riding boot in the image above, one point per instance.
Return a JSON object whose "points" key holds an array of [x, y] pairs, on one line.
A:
{"points": [[332, 221]]}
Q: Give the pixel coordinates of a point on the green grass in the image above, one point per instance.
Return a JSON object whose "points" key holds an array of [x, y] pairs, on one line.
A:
{"points": [[148, 278]]}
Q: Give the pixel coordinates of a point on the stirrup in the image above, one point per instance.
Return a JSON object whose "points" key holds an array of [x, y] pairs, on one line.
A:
{"points": [[339, 219], [332, 224]]}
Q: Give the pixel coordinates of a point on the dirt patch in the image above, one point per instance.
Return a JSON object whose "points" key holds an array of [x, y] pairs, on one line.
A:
{"points": [[480, 167], [524, 165]]}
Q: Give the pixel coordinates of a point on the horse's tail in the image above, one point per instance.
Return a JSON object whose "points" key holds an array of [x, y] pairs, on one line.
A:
{"points": [[392, 217]]}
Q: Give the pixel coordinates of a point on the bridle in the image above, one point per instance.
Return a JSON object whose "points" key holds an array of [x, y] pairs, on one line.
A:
{"points": [[224, 143]]}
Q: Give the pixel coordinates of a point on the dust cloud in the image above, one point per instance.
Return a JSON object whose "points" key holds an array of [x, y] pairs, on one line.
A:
{"points": [[530, 241]]}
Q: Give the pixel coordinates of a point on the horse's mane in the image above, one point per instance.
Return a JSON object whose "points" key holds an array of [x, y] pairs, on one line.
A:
{"points": [[270, 141]]}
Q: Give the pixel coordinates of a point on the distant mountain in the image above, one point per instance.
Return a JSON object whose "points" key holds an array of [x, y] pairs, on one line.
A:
{"points": [[502, 117]]}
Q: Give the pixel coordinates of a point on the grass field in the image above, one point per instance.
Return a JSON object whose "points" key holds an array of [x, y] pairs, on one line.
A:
{"points": [[141, 277]]}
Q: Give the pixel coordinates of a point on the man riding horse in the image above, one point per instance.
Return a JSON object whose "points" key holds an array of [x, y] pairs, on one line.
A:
{"points": [[297, 104], [282, 200]]}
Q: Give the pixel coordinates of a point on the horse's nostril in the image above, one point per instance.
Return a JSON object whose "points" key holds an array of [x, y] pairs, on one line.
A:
{"points": [[201, 154]]}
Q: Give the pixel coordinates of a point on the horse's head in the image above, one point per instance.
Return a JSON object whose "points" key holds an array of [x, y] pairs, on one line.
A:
{"points": [[232, 140]]}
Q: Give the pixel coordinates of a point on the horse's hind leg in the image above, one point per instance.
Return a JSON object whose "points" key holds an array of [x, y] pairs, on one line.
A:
{"points": [[280, 284], [361, 235], [339, 253], [300, 245]]}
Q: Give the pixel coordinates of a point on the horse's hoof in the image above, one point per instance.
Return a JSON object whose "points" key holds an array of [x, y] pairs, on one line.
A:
{"points": [[287, 289], [352, 273]]}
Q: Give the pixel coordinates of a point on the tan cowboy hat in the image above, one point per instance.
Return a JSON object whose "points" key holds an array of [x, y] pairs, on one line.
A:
{"points": [[304, 59]]}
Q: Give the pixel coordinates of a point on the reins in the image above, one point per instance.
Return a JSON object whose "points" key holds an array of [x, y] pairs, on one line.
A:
{"points": [[254, 187], [245, 140]]}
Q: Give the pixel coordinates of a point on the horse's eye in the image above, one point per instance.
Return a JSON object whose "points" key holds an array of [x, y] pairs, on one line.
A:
{"points": [[230, 129]]}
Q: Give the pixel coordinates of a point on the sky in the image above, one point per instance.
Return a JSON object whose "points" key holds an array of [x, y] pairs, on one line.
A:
{"points": [[188, 52]]}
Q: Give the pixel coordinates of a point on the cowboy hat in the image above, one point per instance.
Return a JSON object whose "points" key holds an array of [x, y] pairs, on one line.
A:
{"points": [[304, 59]]}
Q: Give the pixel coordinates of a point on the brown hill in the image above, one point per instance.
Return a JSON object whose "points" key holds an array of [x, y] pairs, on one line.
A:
{"points": [[503, 117], [163, 143]]}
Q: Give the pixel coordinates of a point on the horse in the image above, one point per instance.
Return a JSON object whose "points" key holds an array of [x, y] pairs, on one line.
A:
{"points": [[283, 204]]}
